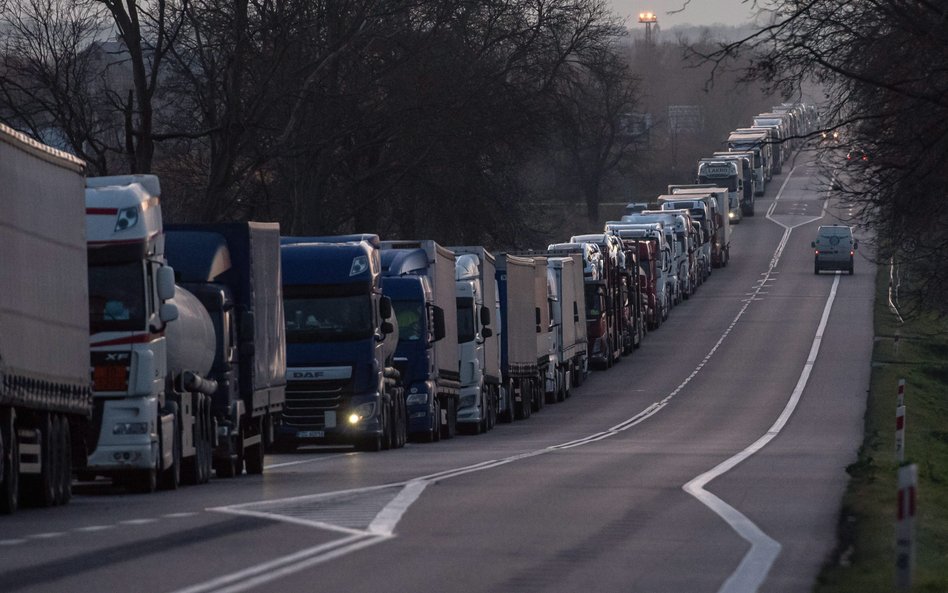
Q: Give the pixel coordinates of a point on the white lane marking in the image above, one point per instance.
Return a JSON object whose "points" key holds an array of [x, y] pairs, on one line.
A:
{"points": [[179, 515], [388, 518], [268, 571], [138, 521], [310, 460], [49, 535], [94, 528], [756, 564], [12, 542]]}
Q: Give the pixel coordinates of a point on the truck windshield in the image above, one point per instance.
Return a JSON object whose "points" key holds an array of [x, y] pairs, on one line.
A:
{"points": [[729, 182], [593, 302], [117, 297], [410, 315], [466, 329], [328, 318]]}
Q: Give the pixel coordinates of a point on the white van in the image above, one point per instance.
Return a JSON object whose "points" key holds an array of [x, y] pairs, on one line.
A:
{"points": [[834, 248]]}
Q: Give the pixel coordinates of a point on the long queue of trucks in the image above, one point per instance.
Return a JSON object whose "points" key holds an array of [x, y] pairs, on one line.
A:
{"points": [[157, 354]]}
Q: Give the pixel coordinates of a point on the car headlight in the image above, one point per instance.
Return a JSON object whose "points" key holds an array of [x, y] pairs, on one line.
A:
{"points": [[130, 428], [361, 412]]}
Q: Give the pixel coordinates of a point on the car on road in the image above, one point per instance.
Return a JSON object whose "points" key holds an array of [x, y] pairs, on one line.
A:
{"points": [[834, 248]]}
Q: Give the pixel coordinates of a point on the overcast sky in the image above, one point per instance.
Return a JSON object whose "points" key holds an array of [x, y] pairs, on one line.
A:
{"points": [[698, 12]]}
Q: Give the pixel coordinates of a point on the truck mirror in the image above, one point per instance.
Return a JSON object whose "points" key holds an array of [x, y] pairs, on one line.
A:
{"points": [[165, 283], [813, 244], [485, 317], [437, 314], [486, 332], [167, 312], [385, 307], [387, 327], [855, 243]]}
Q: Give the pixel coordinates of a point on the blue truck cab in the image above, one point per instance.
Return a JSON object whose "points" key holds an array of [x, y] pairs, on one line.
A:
{"points": [[342, 385]]}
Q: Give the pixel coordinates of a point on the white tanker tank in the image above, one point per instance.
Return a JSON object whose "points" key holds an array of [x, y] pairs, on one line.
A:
{"points": [[191, 342]]}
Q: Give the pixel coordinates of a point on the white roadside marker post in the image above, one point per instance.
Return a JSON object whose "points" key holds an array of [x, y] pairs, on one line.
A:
{"points": [[905, 528]]}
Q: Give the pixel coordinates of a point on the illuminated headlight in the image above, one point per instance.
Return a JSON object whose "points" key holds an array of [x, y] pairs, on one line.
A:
{"points": [[467, 400], [130, 428], [730, 215], [359, 265], [126, 219], [416, 398], [361, 412]]}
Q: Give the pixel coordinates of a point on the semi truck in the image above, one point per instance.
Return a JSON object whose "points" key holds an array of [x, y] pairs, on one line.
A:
{"points": [[717, 200], [418, 277], [45, 389], [343, 387], [701, 216], [234, 272], [479, 315], [742, 202], [660, 252], [726, 172], [756, 143], [616, 298], [188, 378], [523, 378], [570, 362]]}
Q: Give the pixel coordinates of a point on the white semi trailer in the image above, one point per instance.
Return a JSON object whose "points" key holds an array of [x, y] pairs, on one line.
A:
{"points": [[45, 392]]}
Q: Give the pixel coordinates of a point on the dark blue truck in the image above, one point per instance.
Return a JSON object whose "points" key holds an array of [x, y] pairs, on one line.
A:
{"points": [[419, 278], [234, 271], [341, 335]]}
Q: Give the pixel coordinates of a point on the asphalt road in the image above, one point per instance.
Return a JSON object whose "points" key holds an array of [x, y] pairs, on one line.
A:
{"points": [[713, 459]]}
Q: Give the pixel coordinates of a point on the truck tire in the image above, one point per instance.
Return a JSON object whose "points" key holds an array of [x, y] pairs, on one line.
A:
{"points": [[507, 416], [388, 432], [40, 490], [170, 477], [450, 427], [525, 407], [254, 454], [66, 436], [58, 451], [370, 444], [9, 463], [436, 428], [143, 481]]}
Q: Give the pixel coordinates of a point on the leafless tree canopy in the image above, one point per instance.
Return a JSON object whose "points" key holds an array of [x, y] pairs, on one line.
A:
{"points": [[404, 117], [882, 64]]}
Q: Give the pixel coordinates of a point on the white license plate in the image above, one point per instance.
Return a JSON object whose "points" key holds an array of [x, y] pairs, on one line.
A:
{"points": [[329, 419], [311, 434]]}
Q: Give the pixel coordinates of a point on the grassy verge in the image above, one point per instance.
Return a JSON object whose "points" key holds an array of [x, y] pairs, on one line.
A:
{"points": [[865, 561]]}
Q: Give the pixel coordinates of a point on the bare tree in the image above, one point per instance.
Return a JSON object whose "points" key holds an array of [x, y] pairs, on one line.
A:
{"points": [[882, 66]]}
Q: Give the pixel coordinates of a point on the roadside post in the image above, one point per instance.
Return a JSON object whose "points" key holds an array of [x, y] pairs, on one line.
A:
{"points": [[900, 424], [905, 527]]}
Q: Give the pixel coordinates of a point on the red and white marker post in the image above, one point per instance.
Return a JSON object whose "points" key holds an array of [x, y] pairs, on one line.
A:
{"points": [[900, 424], [905, 527]]}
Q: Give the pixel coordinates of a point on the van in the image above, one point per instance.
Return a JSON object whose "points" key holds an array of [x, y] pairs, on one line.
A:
{"points": [[834, 248]]}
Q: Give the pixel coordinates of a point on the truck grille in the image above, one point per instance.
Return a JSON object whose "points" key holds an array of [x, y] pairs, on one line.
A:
{"points": [[308, 401]]}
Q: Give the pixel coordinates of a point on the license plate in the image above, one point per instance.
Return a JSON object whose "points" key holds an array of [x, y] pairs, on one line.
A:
{"points": [[311, 434], [329, 419]]}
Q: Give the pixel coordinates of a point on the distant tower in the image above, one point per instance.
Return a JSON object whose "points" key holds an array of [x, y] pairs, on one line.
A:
{"points": [[649, 19]]}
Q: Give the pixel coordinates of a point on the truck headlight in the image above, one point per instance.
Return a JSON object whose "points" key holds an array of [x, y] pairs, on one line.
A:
{"points": [[361, 412], [130, 428], [467, 400]]}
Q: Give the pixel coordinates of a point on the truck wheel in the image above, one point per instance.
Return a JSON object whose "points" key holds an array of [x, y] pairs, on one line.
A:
{"points": [[141, 481], [388, 434], [436, 423], [40, 490], [207, 440], [9, 464], [254, 455], [506, 393], [539, 395], [450, 428], [60, 450], [66, 435], [171, 476]]}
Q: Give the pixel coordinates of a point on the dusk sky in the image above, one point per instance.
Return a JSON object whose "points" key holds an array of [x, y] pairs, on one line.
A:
{"points": [[698, 12]]}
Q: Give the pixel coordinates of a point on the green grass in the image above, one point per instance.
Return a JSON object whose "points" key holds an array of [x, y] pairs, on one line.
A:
{"points": [[865, 560]]}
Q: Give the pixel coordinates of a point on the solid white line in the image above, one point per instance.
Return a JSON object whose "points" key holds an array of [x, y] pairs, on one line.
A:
{"points": [[755, 565], [308, 554], [12, 542], [385, 522], [94, 528], [50, 535], [138, 521]]}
